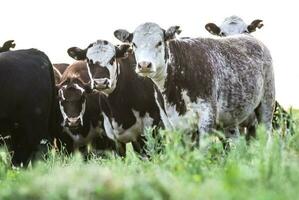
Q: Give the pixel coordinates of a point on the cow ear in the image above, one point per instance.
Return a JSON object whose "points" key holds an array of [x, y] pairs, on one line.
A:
{"points": [[7, 45], [213, 29], [255, 24], [77, 53], [171, 32], [123, 50], [123, 35]]}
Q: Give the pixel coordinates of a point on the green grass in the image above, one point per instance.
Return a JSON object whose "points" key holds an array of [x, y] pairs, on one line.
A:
{"points": [[246, 171]]}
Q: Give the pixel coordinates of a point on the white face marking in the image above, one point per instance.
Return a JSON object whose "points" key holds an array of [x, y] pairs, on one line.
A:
{"points": [[233, 25], [147, 49], [60, 91], [79, 88], [102, 52], [64, 115], [90, 77]]}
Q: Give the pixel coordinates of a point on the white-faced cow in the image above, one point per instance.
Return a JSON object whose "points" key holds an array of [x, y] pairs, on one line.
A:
{"points": [[135, 101], [27, 103], [7, 46], [233, 25], [82, 111], [212, 82]]}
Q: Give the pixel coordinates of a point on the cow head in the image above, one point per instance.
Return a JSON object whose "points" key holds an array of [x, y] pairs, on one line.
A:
{"points": [[149, 46], [72, 101], [233, 25], [101, 58]]}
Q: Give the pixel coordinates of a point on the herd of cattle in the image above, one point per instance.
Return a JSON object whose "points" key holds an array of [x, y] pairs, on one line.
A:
{"points": [[112, 94]]}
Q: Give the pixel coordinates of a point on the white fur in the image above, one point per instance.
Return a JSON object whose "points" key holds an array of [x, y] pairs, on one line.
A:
{"points": [[79, 88], [90, 76], [102, 54], [117, 133], [167, 123]]}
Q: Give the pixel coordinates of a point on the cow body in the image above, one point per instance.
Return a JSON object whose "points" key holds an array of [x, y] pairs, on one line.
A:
{"points": [[92, 106], [27, 100], [135, 101], [218, 82]]}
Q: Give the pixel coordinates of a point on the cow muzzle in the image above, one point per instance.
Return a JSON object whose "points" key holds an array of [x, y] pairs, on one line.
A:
{"points": [[73, 123], [102, 83], [144, 67]]}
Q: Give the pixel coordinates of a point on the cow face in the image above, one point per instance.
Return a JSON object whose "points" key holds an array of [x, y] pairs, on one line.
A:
{"points": [[149, 46], [101, 58], [233, 25], [72, 101]]}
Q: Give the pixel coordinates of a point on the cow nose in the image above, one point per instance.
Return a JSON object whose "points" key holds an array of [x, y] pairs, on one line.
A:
{"points": [[73, 122], [144, 65]]}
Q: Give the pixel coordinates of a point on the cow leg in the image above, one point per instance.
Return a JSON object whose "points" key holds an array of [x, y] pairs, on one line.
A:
{"points": [[139, 146], [265, 110], [22, 146], [121, 149], [207, 120]]}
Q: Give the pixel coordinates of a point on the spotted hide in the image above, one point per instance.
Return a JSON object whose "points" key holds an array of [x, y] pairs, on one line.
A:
{"points": [[211, 82], [135, 101], [82, 111]]}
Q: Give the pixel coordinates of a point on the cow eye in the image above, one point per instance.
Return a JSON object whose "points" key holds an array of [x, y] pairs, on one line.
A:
{"points": [[222, 34], [159, 44]]}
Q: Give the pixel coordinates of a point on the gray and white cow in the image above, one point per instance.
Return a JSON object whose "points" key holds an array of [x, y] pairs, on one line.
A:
{"points": [[215, 82], [233, 25]]}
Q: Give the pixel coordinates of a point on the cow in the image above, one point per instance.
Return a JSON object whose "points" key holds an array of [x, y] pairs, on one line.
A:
{"points": [[233, 25], [27, 101], [82, 111], [135, 101], [7, 46], [211, 82]]}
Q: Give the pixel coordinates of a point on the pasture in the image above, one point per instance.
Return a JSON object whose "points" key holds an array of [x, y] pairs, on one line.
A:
{"points": [[174, 171]]}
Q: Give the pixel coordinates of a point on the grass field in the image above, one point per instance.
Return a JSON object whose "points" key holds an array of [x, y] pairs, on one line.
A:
{"points": [[246, 171]]}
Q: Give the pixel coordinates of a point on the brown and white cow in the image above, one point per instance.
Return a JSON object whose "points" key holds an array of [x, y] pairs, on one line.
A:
{"points": [[233, 25], [211, 82], [7, 46], [82, 111], [135, 101]]}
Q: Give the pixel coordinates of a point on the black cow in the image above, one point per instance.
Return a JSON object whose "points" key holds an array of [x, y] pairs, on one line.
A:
{"points": [[27, 101], [82, 111], [135, 101]]}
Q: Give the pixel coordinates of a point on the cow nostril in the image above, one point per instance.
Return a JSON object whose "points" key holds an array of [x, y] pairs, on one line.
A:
{"points": [[149, 65], [106, 82], [139, 66]]}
